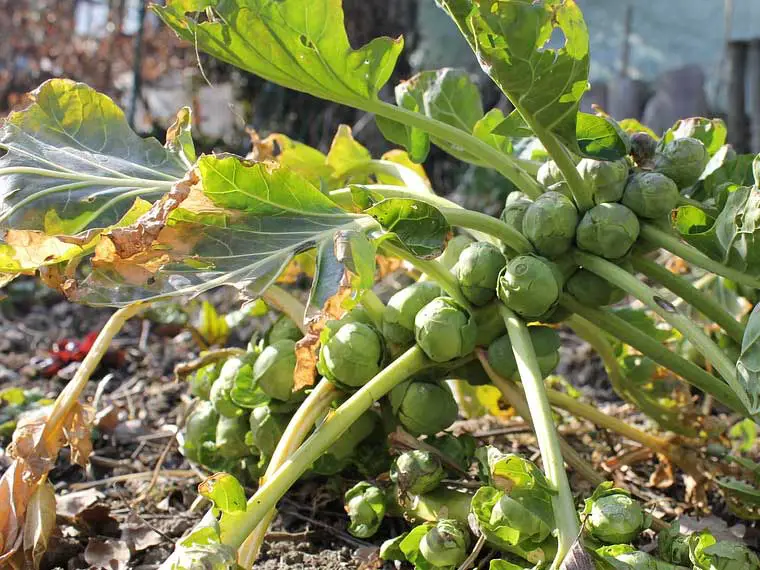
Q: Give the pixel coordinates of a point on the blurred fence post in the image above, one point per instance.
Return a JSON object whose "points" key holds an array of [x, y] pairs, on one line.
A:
{"points": [[137, 65], [737, 113], [753, 78]]}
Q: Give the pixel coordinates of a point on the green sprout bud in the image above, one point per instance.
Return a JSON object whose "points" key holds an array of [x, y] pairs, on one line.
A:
{"points": [[221, 390], [514, 210], [591, 290], [605, 178], [274, 368], [608, 230], [672, 546], [202, 379], [267, 428], [549, 173], [200, 428], [643, 147], [477, 271], [352, 356], [625, 557], [417, 472], [365, 505], [546, 343], [549, 224], [230, 437], [453, 250], [529, 286], [613, 516], [283, 329], [682, 160], [445, 330], [423, 407], [402, 308], [471, 372], [707, 553], [446, 544], [461, 449], [650, 195], [502, 358], [391, 548]]}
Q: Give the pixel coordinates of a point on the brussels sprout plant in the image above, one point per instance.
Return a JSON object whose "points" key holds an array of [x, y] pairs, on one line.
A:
{"points": [[113, 219]]}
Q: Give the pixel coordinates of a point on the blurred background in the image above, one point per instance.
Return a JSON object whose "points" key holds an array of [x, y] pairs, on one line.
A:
{"points": [[653, 60]]}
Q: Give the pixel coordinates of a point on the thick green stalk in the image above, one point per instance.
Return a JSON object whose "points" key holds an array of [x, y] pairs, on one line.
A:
{"points": [[693, 333], [499, 161], [674, 245], [454, 214], [708, 306], [373, 305], [432, 268], [580, 191], [336, 424], [288, 304], [565, 516], [648, 346]]}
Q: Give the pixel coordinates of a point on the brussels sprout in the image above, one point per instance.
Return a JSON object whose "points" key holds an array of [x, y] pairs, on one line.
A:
{"points": [[502, 358], [549, 224], [230, 437], [391, 549], [283, 329], [643, 147], [625, 557], [613, 516], [274, 368], [549, 173], [682, 160], [445, 330], [352, 356], [514, 211], [546, 343], [605, 178], [220, 394], [529, 286], [267, 428], [707, 553], [471, 372], [650, 194], [460, 450], [590, 289], [417, 472], [446, 544], [202, 379], [453, 250], [365, 505], [341, 452], [403, 306], [423, 407], [672, 546], [200, 433], [478, 270], [608, 230]]}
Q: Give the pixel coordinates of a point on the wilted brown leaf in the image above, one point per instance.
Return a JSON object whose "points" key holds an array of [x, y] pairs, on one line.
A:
{"points": [[696, 491], [107, 554], [39, 523], [662, 477], [31, 248], [74, 504], [139, 535]]}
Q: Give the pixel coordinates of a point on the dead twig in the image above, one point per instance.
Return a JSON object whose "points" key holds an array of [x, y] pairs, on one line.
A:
{"points": [[184, 368]]}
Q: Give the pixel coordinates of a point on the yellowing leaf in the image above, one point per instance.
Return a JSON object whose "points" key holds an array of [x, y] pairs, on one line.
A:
{"points": [[39, 523]]}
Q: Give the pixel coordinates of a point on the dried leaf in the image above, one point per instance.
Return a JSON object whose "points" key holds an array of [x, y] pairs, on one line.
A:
{"points": [[139, 535], [39, 523], [577, 558], [696, 491], [107, 554], [662, 477], [74, 504]]}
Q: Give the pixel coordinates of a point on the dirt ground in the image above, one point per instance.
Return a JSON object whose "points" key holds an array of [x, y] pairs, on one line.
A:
{"points": [[115, 514]]}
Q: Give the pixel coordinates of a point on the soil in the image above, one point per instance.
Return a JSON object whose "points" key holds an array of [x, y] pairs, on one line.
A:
{"points": [[133, 524]]}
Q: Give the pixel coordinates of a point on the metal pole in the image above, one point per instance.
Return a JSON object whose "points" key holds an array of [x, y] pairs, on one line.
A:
{"points": [[737, 85], [137, 66]]}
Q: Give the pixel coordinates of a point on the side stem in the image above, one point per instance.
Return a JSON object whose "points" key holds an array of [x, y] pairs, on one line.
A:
{"points": [[708, 306], [674, 245], [266, 497], [565, 516]]}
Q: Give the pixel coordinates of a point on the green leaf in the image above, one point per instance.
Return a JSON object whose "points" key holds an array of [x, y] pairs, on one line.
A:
{"points": [[225, 492], [600, 137], [300, 44], [484, 130], [712, 132], [447, 95], [746, 432], [420, 226], [511, 39], [748, 365], [632, 126], [742, 498], [410, 547]]}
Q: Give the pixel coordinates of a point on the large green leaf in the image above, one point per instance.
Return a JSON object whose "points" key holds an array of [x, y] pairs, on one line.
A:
{"points": [[300, 44], [748, 365], [512, 41]]}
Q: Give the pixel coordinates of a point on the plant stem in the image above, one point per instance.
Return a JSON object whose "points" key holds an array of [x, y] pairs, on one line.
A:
{"points": [[502, 163], [580, 191], [648, 346], [432, 268], [288, 304], [454, 214], [373, 305], [565, 516], [70, 394], [515, 397], [627, 282], [336, 424], [298, 428], [674, 245], [708, 306]]}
